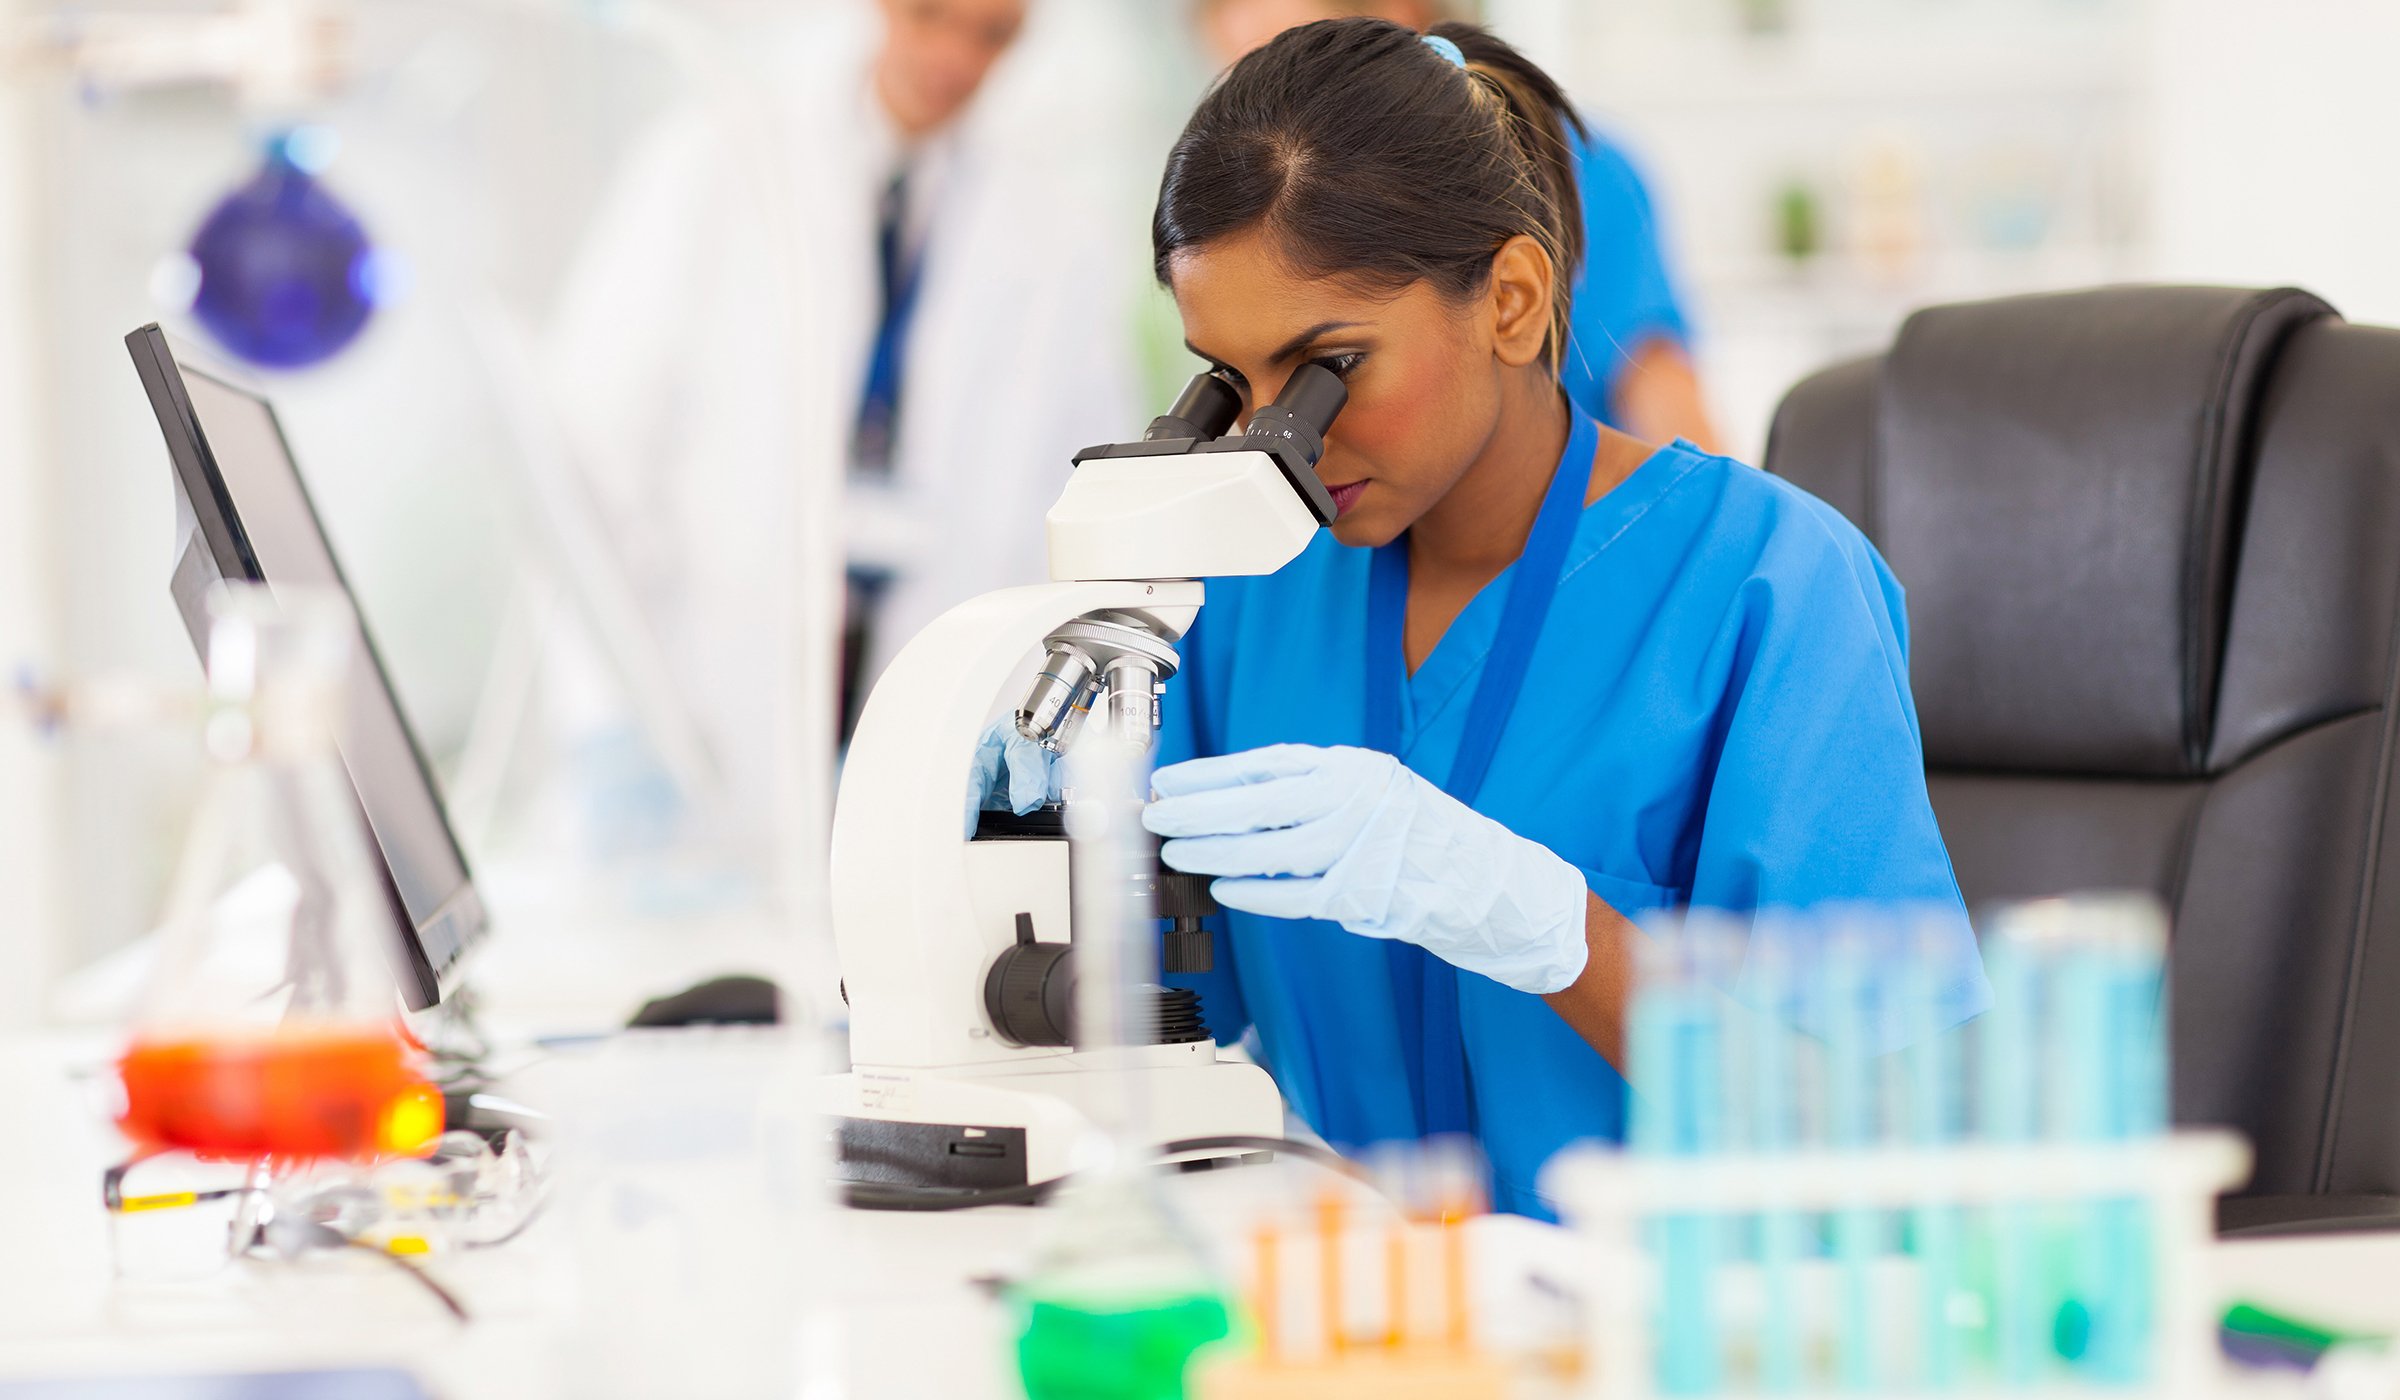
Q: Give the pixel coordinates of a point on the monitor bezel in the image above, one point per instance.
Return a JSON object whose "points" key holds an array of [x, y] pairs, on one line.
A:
{"points": [[162, 367]]}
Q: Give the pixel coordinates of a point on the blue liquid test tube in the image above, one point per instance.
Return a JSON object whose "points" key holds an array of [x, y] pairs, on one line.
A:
{"points": [[2133, 1021], [1678, 1082], [2080, 1073], [1936, 1081], [2006, 1118], [1846, 987], [1773, 1023]]}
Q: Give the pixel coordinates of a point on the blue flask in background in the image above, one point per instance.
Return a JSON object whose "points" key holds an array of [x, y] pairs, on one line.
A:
{"points": [[287, 275]]}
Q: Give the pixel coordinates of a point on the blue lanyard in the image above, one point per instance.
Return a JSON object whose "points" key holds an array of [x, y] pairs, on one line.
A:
{"points": [[1428, 988], [1530, 587]]}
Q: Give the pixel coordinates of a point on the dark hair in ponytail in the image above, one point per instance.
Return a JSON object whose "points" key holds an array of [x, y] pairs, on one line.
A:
{"points": [[1365, 154]]}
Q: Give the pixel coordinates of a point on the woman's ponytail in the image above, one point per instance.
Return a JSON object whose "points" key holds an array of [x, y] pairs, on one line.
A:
{"points": [[1534, 113]]}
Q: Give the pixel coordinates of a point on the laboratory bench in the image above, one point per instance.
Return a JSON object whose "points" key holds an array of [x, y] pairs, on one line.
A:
{"points": [[903, 1305]]}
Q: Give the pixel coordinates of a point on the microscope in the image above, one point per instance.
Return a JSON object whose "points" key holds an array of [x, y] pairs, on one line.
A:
{"points": [[956, 945]]}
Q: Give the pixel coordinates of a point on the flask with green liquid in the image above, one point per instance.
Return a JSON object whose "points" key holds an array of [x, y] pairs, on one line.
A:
{"points": [[1119, 1298]]}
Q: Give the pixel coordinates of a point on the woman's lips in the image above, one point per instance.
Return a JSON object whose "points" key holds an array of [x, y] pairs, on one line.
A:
{"points": [[1345, 497]]}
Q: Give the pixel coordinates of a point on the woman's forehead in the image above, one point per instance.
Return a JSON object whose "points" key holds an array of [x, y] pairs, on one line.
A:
{"points": [[1239, 297]]}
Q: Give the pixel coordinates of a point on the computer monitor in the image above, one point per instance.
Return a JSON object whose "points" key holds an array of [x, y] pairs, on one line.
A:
{"points": [[243, 512]]}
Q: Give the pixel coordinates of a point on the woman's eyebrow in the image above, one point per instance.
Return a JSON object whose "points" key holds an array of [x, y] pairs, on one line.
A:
{"points": [[1290, 347], [1297, 343]]}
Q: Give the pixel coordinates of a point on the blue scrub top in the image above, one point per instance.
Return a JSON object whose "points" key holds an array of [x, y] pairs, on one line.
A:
{"points": [[1624, 295], [1716, 715]]}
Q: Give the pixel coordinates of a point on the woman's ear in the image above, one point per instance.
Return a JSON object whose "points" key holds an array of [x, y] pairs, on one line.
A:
{"points": [[1522, 279]]}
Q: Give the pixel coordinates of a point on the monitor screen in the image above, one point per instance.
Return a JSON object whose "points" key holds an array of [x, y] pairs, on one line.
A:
{"points": [[243, 512]]}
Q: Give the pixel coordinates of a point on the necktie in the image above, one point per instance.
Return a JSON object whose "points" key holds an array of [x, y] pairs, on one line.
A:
{"points": [[879, 405], [878, 421]]}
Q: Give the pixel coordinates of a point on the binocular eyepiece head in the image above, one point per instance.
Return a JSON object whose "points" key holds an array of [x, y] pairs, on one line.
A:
{"points": [[1310, 401]]}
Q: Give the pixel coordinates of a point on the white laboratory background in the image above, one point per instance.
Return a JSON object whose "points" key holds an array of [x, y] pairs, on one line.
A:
{"points": [[1821, 167]]}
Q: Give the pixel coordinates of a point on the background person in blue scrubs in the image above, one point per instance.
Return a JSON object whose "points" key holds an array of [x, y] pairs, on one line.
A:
{"points": [[1539, 678], [1628, 360]]}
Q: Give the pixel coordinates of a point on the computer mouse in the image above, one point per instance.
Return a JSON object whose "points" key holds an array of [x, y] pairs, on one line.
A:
{"points": [[738, 1000]]}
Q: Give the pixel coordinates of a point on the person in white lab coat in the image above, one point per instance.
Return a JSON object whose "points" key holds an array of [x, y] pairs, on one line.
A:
{"points": [[890, 292]]}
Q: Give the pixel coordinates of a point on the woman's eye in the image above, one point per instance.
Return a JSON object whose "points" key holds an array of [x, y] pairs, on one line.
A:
{"points": [[1239, 386], [1342, 365]]}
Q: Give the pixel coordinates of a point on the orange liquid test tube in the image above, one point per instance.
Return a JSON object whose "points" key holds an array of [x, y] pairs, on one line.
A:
{"points": [[1329, 1268], [1395, 1301], [1454, 1273], [1269, 1293]]}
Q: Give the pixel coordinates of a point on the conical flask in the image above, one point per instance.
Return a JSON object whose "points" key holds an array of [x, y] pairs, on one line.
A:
{"points": [[1119, 1296], [271, 1027]]}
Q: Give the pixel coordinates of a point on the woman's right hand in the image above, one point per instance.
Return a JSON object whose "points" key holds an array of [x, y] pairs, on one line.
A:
{"points": [[1011, 773]]}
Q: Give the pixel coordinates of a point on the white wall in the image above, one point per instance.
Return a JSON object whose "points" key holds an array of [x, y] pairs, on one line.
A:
{"points": [[28, 768], [473, 142], [2275, 134]]}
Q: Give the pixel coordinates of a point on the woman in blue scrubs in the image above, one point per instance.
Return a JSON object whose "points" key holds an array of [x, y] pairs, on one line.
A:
{"points": [[1539, 679]]}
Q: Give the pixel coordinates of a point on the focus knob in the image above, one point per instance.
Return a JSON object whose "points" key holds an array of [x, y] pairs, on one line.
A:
{"points": [[1188, 948], [1030, 991]]}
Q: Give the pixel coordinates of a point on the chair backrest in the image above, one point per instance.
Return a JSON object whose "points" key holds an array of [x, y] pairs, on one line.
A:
{"points": [[2151, 542]]}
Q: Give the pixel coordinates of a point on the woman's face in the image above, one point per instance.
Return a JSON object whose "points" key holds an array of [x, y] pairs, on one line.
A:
{"points": [[1424, 379]]}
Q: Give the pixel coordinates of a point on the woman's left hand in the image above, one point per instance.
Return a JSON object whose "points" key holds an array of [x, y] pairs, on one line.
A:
{"points": [[1295, 831]]}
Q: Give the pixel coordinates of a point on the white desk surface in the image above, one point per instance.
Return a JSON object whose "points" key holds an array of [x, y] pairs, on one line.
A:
{"points": [[906, 1315]]}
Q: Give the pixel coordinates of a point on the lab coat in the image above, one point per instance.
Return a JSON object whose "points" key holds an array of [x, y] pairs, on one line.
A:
{"points": [[712, 346]]}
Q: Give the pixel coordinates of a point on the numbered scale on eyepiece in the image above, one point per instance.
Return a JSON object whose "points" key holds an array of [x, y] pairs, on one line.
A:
{"points": [[1301, 413]]}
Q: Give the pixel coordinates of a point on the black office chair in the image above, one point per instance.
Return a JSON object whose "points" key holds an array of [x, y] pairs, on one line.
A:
{"points": [[2151, 541]]}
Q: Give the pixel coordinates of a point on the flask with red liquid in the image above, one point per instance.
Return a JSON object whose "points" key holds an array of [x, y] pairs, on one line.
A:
{"points": [[271, 1028]]}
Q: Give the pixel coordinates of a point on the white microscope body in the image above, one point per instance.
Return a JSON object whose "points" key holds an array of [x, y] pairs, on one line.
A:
{"points": [[961, 1077]]}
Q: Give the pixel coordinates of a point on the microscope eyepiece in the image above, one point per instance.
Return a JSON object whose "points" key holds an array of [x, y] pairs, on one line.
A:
{"points": [[1204, 410], [1291, 431], [1310, 401]]}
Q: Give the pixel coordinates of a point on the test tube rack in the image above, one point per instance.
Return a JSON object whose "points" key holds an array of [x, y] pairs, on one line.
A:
{"points": [[1348, 1306], [1614, 1199]]}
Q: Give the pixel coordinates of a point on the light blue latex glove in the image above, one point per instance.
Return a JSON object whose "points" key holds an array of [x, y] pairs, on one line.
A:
{"points": [[1011, 773], [1300, 832]]}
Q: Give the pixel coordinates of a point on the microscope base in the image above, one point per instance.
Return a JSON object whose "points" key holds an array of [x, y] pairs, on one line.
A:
{"points": [[1003, 1126]]}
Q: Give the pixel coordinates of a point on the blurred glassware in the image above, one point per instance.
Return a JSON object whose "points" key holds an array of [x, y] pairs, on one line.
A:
{"points": [[270, 1031], [287, 275], [1120, 1300], [1888, 196], [271, 1026], [693, 1182], [1119, 1297]]}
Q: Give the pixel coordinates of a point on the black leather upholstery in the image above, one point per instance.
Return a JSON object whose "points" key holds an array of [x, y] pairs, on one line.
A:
{"points": [[2151, 541]]}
